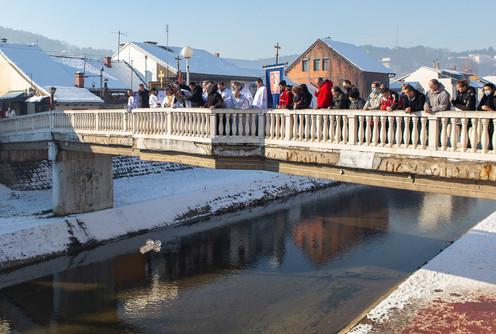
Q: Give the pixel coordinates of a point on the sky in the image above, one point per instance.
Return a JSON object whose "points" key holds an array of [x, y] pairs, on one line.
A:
{"points": [[250, 29]]}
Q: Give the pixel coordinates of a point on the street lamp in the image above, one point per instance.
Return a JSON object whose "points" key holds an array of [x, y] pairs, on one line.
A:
{"points": [[187, 53], [52, 98]]}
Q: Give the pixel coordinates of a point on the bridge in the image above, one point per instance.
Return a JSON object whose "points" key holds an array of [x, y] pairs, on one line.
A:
{"points": [[451, 152]]}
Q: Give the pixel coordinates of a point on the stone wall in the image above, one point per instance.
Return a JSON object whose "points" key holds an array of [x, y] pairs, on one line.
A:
{"points": [[37, 175]]}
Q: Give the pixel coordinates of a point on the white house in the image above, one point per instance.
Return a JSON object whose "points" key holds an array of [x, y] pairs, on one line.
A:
{"points": [[447, 77], [26, 75], [155, 62]]}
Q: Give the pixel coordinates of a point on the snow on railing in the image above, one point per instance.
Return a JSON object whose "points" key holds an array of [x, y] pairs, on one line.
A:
{"points": [[450, 131]]}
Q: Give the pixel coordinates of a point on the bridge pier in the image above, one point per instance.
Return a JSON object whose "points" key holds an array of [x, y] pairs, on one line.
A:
{"points": [[82, 182]]}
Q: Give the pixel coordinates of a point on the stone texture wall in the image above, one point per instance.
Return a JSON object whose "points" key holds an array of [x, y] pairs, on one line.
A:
{"points": [[37, 175]]}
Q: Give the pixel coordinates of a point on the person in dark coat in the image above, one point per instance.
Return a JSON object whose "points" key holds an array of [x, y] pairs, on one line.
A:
{"points": [[300, 99], [341, 101], [143, 97], [488, 101], [196, 95], [413, 100], [349, 87], [214, 99], [465, 99], [356, 102]]}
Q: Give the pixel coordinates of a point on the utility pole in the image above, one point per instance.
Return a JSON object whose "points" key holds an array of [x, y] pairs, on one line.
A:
{"points": [[167, 55], [119, 33]]}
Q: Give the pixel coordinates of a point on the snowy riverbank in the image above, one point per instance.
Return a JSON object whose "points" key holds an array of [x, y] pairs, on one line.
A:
{"points": [[29, 233], [454, 293]]}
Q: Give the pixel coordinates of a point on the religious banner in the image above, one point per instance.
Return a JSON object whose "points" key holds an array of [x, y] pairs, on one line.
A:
{"points": [[273, 75]]}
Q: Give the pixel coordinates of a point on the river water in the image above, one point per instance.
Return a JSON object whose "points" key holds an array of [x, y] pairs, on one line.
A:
{"points": [[308, 264]]}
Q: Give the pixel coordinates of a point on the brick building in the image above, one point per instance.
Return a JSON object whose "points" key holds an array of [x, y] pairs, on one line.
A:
{"points": [[338, 61]]}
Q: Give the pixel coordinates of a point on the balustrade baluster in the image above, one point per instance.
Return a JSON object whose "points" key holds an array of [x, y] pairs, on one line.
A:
{"points": [[406, 131], [464, 135], [337, 132], [398, 132], [390, 131], [361, 129], [454, 134], [253, 126], [301, 127], [415, 132], [234, 124], [493, 139], [423, 133], [485, 135], [345, 129], [383, 131], [294, 132], [375, 131], [282, 122], [313, 127], [325, 128], [319, 126], [368, 129], [307, 127], [444, 134]]}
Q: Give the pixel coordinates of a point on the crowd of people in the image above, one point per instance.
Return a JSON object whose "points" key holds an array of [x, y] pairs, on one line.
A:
{"points": [[7, 113], [209, 95], [328, 96]]}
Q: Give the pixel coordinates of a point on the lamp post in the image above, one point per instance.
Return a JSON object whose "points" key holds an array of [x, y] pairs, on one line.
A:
{"points": [[187, 53], [52, 98]]}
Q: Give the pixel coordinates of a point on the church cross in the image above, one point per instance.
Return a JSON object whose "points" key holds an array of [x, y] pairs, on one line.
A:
{"points": [[161, 76], [277, 51], [178, 59]]}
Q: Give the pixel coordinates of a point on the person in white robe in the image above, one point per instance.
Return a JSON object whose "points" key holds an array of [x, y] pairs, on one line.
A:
{"points": [[132, 101], [153, 99], [244, 91], [226, 94], [260, 99]]}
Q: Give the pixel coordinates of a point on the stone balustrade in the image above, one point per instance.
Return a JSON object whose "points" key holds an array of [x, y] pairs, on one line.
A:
{"points": [[464, 135]]}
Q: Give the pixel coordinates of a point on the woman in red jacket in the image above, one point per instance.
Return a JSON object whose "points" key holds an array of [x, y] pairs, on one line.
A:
{"points": [[286, 97], [324, 93]]}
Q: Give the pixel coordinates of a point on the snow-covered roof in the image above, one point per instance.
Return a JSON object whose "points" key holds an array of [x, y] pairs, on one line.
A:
{"points": [[202, 61], [36, 65], [357, 56], [119, 76], [75, 95], [490, 78], [43, 72]]}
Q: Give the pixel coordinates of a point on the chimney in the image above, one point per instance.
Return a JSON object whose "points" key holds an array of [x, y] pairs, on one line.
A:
{"points": [[465, 69], [80, 79], [217, 55], [434, 63], [4, 40], [150, 42], [121, 46], [453, 68], [108, 62], [437, 63]]}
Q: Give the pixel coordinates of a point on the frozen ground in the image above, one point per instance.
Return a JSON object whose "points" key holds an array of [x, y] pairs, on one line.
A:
{"points": [[29, 231]]}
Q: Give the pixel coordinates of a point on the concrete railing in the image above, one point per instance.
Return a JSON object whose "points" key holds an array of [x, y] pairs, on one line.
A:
{"points": [[464, 135]]}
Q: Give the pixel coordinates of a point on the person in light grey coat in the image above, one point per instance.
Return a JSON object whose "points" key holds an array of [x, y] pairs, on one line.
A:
{"points": [[375, 98], [437, 98]]}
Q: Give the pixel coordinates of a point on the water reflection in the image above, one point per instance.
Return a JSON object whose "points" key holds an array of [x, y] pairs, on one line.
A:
{"points": [[312, 262]]}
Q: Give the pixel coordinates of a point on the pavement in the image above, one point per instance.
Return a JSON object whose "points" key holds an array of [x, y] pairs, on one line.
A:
{"points": [[454, 293]]}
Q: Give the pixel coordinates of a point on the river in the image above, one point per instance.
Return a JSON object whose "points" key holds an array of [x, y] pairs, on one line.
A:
{"points": [[306, 264]]}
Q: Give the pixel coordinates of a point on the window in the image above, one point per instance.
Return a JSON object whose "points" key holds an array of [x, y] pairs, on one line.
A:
{"points": [[316, 64], [304, 66], [325, 64]]}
